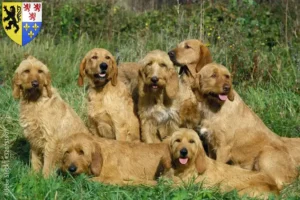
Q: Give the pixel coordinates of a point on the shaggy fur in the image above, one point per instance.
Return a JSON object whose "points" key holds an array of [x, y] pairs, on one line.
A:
{"points": [[236, 133], [110, 106], [190, 56], [45, 117], [115, 162], [158, 89], [190, 162]]}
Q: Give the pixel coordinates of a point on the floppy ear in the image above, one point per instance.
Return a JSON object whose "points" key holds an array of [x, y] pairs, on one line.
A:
{"points": [[97, 160], [141, 82], [81, 72], [16, 86], [172, 84], [231, 94], [113, 75], [196, 88], [48, 84], [200, 161], [204, 57], [165, 164]]}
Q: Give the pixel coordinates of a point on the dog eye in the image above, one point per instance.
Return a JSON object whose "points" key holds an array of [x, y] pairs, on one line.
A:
{"points": [[227, 76], [178, 140], [187, 46], [214, 75], [163, 65], [81, 152], [67, 152], [40, 71], [107, 57], [148, 64], [191, 141], [95, 57], [27, 71]]}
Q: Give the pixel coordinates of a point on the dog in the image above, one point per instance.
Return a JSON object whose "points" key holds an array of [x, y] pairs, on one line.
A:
{"points": [[235, 132], [158, 87], [190, 56], [189, 162], [44, 116], [114, 162], [110, 106]]}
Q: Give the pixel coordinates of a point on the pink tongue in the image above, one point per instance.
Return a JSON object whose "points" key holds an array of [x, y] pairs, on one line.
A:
{"points": [[183, 160], [102, 75], [154, 86], [223, 97]]}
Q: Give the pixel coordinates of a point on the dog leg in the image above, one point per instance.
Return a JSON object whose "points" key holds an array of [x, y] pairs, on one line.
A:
{"points": [[149, 132], [36, 160]]}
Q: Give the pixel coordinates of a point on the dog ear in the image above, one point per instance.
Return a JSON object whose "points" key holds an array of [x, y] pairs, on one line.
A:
{"points": [[172, 84], [200, 161], [113, 75], [16, 82], [165, 164], [81, 76], [97, 160], [141, 82], [196, 88], [204, 57], [231, 94], [48, 84]]}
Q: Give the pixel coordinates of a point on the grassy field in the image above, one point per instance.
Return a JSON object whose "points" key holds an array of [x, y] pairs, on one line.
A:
{"points": [[269, 85]]}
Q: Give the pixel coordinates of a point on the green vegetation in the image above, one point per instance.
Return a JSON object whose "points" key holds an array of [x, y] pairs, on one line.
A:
{"points": [[253, 40]]}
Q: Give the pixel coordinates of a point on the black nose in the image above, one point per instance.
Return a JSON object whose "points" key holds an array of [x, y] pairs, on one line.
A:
{"points": [[171, 54], [72, 168], [226, 88], [154, 79], [35, 83], [103, 66], [183, 152]]}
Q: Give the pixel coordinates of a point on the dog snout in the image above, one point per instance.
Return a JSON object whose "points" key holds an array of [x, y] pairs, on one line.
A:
{"points": [[103, 66], [226, 88], [35, 83], [72, 168], [183, 152], [154, 79], [171, 54]]}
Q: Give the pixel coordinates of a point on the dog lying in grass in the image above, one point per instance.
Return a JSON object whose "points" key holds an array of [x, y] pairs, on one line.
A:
{"points": [[114, 162], [44, 116], [189, 162]]}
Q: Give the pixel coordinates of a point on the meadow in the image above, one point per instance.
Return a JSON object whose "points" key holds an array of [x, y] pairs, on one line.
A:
{"points": [[258, 42]]}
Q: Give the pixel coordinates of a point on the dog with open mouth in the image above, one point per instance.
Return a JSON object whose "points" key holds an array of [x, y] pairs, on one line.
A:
{"points": [[110, 105], [190, 163], [44, 115], [190, 56], [158, 93], [235, 133]]}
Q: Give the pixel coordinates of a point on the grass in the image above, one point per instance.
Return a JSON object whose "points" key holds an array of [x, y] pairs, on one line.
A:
{"points": [[269, 86]]}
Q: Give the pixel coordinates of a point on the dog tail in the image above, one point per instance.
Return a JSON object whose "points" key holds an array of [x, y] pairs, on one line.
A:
{"points": [[19, 13]]}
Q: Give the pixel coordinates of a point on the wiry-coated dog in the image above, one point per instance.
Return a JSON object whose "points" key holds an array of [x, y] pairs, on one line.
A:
{"points": [[190, 163], [110, 106], [115, 162], [190, 56], [45, 117], [158, 92], [236, 133]]}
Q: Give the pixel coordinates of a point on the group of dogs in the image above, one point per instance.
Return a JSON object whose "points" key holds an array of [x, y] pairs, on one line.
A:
{"points": [[145, 121]]}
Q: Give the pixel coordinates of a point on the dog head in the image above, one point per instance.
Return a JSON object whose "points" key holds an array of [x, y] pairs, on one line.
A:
{"points": [[31, 80], [187, 150], [214, 84], [190, 55], [158, 75], [100, 67], [81, 154]]}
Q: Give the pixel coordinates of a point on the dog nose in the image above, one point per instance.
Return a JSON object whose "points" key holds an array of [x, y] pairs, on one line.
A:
{"points": [[183, 152], [103, 66], [72, 168], [171, 54], [35, 83], [154, 79], [226, 88]]}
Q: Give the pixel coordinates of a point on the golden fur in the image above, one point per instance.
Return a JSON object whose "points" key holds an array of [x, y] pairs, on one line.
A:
{"points": [[190, 56], [45, 117], [190, 162], [110, 106], [115, 162], [157, 105], [236, 133]]}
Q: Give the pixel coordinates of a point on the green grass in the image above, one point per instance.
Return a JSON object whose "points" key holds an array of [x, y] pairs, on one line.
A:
{"points": [[271, 90]]}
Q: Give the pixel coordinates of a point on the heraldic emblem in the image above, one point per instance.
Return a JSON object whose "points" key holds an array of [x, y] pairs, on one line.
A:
{"points": [[22, 21]]}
